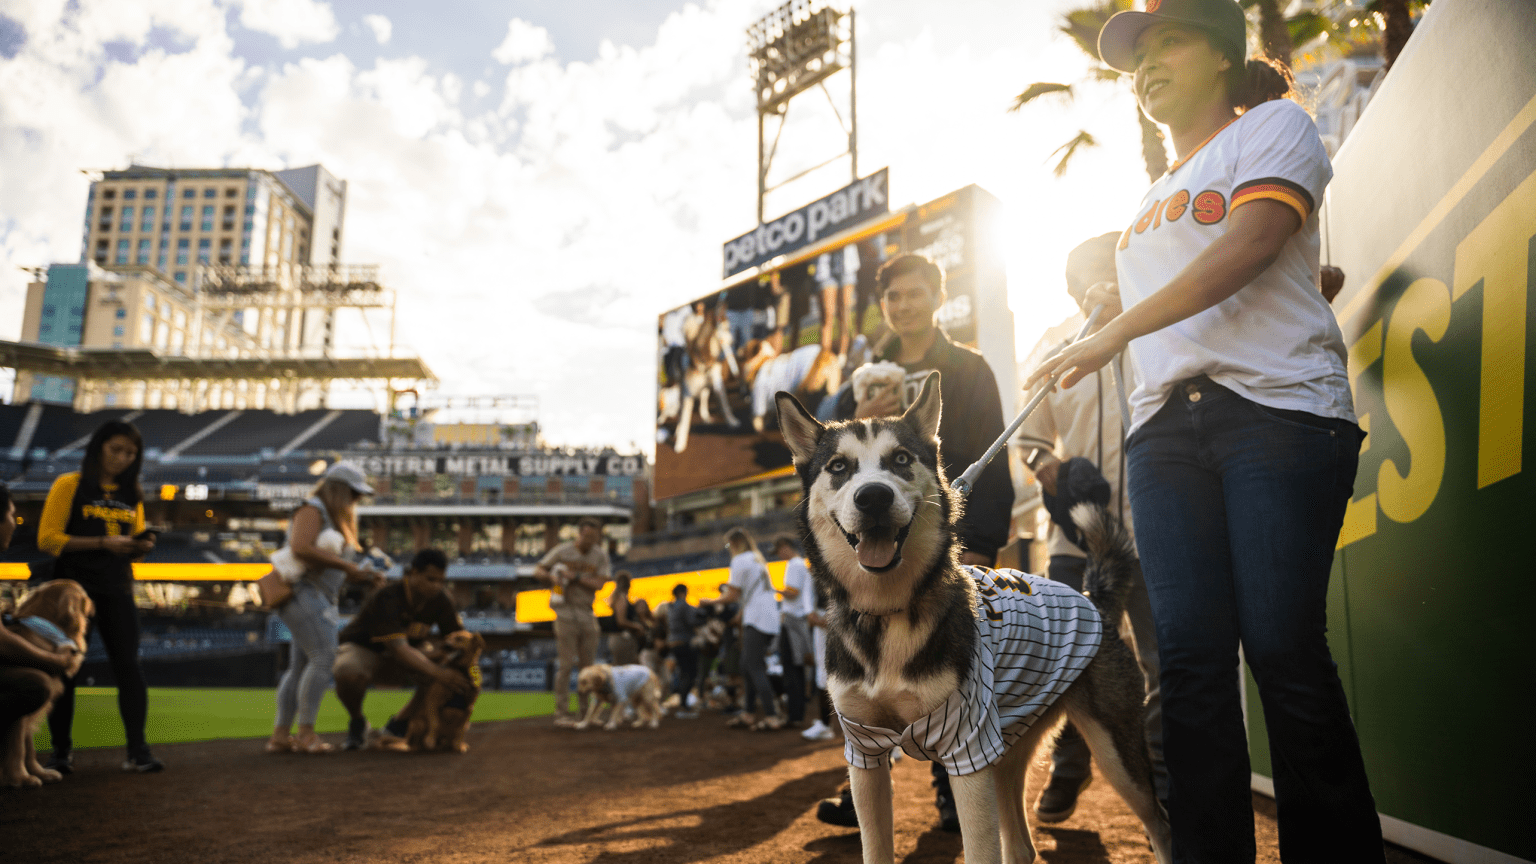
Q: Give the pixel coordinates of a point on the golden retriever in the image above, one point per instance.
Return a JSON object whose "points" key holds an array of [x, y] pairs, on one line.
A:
{"points": [[441, 717], [616, 686], [65, 605]]}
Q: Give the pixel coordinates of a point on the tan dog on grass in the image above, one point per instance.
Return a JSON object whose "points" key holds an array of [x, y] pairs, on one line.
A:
{"points": [[63, 604]]}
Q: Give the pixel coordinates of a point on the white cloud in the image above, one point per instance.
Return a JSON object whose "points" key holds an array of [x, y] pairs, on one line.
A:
{"points": [[534, 226], [292, 22], [381, 27], [524, 42]]}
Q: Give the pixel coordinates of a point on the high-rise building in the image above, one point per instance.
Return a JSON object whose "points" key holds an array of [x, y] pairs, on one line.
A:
{"points": [[211, 263], [172, 219]]}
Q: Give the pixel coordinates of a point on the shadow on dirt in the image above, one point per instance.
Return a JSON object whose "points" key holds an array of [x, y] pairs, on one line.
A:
{"points": [[756, 820]]}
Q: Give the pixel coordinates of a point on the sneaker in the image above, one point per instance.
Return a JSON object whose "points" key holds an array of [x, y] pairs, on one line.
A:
{"points": [[141, 761], [818, 731], [61, 761], [565, 722], [949, 818], [357, 734], [1059, 799], [838, 811]]}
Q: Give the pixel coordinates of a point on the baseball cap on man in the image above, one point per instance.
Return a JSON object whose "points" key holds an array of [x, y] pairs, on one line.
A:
{"points": [[1222, 19], [350, 475]]}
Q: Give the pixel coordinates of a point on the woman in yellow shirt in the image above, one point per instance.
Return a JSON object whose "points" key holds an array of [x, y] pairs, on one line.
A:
{"points": [[93, 522]]}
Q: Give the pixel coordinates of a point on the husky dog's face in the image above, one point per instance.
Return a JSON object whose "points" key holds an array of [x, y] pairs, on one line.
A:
{"points": [[873, 487]]}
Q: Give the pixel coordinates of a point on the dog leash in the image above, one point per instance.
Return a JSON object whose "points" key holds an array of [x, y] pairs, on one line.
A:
{"points": [[967, 481]]}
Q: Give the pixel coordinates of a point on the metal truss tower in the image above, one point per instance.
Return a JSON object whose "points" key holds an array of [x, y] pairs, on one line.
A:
{"points": [[793, 49]]}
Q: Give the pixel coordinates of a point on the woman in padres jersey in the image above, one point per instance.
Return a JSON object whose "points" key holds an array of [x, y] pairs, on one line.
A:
{"points": [[1243, 444], [90, 522]]}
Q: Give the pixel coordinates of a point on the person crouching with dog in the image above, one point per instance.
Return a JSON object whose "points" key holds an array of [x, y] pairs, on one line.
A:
{"points": [[381, 644], [1243, 443]]}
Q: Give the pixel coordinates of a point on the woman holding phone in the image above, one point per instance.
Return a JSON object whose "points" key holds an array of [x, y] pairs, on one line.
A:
{"points": [[93, 522]]}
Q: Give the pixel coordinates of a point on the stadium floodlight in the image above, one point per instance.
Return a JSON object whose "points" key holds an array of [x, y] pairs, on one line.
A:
{"points": [[793, 49]]}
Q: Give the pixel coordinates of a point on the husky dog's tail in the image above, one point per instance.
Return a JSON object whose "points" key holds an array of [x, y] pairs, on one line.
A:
{"points": [[1111, 559]]}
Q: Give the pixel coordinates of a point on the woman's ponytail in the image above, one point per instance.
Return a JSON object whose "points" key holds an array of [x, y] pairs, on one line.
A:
{"points": [[1258, 81]]}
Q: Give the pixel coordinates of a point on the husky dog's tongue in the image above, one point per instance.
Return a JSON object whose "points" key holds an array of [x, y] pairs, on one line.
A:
{"points": [[877, 548]]}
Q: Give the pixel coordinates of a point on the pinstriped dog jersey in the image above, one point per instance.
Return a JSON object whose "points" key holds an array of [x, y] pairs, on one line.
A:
{"points": [[1033, 638], [1276, 341]]}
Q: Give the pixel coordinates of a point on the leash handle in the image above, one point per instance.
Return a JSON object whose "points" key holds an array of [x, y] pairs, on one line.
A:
{"points": [[967, 481]]}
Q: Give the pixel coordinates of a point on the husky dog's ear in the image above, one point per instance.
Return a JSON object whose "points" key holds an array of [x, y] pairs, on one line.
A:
{"points": [[800, 429], [923, 415]]}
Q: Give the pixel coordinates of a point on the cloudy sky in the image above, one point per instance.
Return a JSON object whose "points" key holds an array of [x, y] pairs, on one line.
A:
{"points": [[539, 179]]}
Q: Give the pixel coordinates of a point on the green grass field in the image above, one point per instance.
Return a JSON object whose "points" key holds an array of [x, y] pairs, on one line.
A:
{"points": [[177, 714]]}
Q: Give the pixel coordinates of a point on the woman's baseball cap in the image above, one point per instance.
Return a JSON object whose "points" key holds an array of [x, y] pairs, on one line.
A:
{"points": [[350, 475], [1222, 19]]}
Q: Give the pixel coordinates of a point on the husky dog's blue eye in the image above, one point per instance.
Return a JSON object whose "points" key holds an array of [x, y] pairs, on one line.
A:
{"points": [[837, 466], [902, 457]]}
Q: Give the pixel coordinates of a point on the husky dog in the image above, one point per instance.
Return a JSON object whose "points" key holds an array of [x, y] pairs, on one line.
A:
{"points": [[967, 666]]}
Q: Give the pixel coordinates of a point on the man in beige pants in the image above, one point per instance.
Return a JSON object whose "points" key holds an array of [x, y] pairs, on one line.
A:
{"points": [[575, 572]]}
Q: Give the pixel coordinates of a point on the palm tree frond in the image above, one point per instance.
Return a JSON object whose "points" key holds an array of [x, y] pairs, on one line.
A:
{"points": [[1082, 26], [1104, 73], [1067, 150], [1308, 26], [1038, 89]]}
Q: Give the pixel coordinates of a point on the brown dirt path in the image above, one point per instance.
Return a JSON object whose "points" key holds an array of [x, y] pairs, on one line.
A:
{"points": [[689, 792]]}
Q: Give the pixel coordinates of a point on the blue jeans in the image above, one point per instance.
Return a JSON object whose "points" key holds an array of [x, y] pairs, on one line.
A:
{"points": [[1238, 508], [312, 618]]}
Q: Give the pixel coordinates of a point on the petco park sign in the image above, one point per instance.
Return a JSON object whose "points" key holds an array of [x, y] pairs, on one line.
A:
{"points": [[847, 206]]}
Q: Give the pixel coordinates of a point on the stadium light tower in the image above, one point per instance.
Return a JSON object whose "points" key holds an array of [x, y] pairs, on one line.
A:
{"points": [[793, 49]]}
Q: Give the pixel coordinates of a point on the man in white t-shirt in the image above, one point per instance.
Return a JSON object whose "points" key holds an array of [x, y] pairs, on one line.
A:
{"points": [[1085, 422], [795, 648]]}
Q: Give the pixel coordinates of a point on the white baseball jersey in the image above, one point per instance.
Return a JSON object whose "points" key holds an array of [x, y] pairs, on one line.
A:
{"points": [[627, 680], [1276, 341], [1033, 638]]}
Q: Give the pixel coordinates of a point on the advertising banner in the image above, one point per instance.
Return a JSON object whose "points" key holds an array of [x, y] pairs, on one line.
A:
{"points": [[845, 208], [1431, 215], [497, 465], [804, 327]]}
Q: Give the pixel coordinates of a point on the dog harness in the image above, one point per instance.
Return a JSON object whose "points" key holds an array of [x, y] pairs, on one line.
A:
{"points": [[1033, 638], [46, 629], [627, 680]]}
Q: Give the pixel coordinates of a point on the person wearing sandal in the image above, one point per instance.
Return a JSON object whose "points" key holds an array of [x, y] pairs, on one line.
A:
{"points": [[312, 616], [759, 624]]}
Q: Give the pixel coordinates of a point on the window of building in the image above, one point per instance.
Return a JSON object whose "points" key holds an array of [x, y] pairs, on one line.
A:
{"points": [[122, 251], [208, 217], [189, 193], [147, 221], [203, 250], [118, 331], [109, 194], [186, 217], [106, 218], [127, 224], [151, 194], [210, 192], [231, 191], [229, 218], [130, 194], [149, 300], [48, 311], [146, 328], [181, 277], [143, 256], [225, 250], [121, 313], [182, 246]]}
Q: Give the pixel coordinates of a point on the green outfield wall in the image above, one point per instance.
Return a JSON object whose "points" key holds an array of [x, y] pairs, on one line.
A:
{"points": [[1432, 217]]}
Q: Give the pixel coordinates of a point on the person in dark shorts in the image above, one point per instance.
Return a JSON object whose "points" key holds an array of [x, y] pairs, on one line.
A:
{"points": [[381, 644]]}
